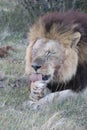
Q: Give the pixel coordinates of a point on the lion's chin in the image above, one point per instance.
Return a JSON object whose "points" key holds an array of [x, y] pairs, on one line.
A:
{"points": [[39, 77]]}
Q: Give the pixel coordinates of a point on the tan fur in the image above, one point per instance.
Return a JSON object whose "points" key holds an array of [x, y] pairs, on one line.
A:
{"points": [[40, 89], [67, 70], [65, 38]]}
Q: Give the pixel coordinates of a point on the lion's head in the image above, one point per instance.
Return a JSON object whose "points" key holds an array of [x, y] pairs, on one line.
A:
{"points": [[50, 61]]}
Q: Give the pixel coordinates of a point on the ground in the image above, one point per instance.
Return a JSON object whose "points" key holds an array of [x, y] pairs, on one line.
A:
{"points": [[15, 113]]}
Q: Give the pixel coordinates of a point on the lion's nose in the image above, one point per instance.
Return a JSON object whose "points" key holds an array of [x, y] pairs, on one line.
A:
{"points": [[36, 66]]}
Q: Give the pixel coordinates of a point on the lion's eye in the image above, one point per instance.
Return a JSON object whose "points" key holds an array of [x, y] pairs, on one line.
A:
{"points": [[49, 53]]}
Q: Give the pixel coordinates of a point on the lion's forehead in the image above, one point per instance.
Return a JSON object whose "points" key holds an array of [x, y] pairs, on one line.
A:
{"points": [[38, 44], [45, 45]]}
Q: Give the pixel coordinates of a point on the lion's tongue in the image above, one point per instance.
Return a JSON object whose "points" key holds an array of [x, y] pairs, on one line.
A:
{"points": [[35, 77]]}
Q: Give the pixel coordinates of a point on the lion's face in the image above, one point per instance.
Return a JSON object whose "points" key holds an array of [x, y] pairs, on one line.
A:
{"points": [[51, 61]]}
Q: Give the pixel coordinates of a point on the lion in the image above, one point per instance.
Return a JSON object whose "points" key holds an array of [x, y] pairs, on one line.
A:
{"points": [[56, 58]]}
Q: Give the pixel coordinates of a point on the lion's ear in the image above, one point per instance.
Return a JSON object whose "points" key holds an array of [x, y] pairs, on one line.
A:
{"points": [[75, 39]]}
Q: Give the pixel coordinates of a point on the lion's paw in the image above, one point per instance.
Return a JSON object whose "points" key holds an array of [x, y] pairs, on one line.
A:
{"points": [[38, 90]]}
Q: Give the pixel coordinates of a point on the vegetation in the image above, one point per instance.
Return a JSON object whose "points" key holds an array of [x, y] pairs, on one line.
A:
{"points": [[18, 15], [39, 7]]}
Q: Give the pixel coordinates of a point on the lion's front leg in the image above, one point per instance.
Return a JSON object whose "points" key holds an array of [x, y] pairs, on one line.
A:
{"points": [[51, 97], [40, 95]]}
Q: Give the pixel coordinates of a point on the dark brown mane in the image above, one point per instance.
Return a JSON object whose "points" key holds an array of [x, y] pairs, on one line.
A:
{"points": [[66, 19]]}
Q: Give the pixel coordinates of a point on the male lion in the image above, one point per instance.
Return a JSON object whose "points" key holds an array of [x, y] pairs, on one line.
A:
{"points": [[56, 58]]}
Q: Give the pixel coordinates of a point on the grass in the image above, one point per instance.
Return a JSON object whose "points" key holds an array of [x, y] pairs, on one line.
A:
{"points": [[5, 5]]}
